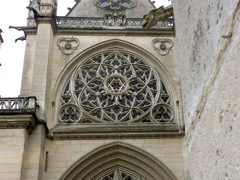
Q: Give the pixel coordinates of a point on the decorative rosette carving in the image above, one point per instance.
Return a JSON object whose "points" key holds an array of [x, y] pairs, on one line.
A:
{"points": [[68, 44], [162, 46]]}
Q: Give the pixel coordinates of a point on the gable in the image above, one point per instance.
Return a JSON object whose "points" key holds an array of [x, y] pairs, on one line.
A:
{"points": [[86, 8]]}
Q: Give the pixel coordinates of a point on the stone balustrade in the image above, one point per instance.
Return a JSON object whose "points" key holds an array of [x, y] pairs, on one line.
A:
{"points": [[18, 113], [101, 23], [19, 103]]}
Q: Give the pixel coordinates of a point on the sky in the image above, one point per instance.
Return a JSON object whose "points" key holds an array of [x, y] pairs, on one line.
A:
{"points": [[12, 54]]}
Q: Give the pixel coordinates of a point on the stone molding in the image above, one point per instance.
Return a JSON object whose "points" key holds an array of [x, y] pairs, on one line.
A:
{"points": [[27, 121], [104, 131]]}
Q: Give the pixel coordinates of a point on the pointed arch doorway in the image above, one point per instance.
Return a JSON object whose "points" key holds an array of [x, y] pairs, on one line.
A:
{"points": [[118, 161]]}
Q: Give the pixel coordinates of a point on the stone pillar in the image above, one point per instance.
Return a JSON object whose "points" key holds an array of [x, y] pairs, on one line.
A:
{"points": [[34, 154], [42, 62]]}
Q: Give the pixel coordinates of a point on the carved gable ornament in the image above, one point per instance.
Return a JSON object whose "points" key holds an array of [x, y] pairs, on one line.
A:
{"points": [[115, 4], [115, 19], [162, 46], [68, 44]]}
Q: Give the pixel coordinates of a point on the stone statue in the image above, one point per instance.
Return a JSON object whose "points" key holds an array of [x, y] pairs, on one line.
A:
{"points": [[156, 15], [34, 6], [117, 175]]}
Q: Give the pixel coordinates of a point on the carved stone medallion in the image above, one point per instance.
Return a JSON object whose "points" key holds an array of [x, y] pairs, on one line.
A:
{"points": [[68, 45], [162, 46]]}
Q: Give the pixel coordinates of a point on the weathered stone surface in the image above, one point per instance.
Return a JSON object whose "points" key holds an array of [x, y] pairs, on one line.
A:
{"points": [[208, 44]]}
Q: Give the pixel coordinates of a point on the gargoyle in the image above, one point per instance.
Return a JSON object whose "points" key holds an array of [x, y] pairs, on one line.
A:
{"points": [[34, 5], [22, 38], [19, 28], [156, 15]]}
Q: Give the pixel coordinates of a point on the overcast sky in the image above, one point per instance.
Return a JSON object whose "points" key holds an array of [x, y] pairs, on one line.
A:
{"points": [[12, 54]]}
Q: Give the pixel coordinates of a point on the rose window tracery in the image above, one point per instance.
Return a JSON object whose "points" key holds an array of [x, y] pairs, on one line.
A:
{"points": [[115, 86]]}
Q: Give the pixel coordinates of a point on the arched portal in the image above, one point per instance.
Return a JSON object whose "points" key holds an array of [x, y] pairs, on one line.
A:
{"points": [[118, 161]]}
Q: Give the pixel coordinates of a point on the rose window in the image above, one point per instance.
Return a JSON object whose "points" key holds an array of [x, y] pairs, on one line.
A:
{"points": [[115, 87]]}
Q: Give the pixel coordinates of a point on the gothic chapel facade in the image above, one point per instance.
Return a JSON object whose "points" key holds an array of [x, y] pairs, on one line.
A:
{"points": [[101, 98]]}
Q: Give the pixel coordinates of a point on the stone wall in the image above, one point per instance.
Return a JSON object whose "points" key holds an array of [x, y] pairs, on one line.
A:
{"points": [[208, 49], [11, 153], [63, 154]]}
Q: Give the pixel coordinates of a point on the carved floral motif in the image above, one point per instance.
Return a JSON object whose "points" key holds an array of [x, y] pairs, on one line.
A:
{"points": [[68, 45]]}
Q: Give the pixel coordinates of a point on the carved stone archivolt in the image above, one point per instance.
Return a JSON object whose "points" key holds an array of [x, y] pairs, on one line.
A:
{"points": [[115, 86], [119, 161], [68, 45], [162, 46]]}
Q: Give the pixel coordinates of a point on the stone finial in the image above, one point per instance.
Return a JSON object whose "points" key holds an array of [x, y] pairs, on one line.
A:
{"points": [[117, 175], [34, 6]]}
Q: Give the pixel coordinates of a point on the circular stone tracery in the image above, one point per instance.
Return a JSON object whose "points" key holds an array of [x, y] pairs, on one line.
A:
{"points": [[114, 87]]}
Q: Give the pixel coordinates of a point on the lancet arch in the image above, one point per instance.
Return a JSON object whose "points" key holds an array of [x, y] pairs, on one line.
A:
{"points": [[128, 74], [118, 160]]}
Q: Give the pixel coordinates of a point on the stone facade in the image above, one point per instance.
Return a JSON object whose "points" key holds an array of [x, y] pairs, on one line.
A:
{"points": [[193, 87], [144, 141]]}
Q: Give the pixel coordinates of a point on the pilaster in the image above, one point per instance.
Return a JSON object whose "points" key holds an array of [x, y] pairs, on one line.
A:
{"points": [[42, 62]]}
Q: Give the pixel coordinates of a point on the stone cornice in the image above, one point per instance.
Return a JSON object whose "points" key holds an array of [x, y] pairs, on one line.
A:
{"points": [[18, 121], [125, 32], [18, 113], [73, 132], [60, 31]]}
